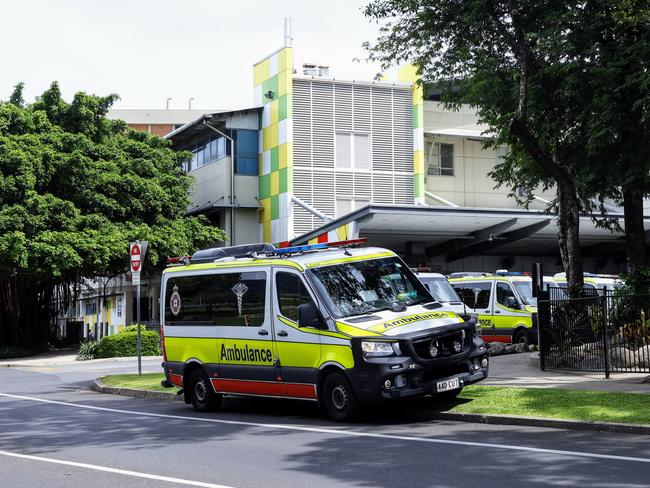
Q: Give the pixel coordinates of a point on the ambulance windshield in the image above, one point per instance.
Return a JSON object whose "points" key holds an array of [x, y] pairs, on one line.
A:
{"points": [[363, 287], [525, 290]]}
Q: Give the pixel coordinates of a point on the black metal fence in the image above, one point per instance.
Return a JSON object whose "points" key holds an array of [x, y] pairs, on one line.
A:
{"points": [[601, 332]]}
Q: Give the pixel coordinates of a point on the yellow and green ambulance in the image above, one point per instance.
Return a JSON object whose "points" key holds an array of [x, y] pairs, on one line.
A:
{"points": [[504, 303], [336, 323]]}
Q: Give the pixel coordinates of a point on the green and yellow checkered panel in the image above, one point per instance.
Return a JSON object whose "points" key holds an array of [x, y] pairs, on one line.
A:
{"points": [[273, 91], [409, 74]]}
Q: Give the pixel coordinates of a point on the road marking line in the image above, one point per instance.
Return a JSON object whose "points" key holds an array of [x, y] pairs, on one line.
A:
{"points": [[350, 433], [106, 469]]}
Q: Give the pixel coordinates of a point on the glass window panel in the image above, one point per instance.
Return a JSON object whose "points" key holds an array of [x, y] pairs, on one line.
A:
{"points": [[246, 143], [447, 159], [230, 299], [433, 159], [504, 290], [221, 147], [343, 150], [213, 149], [474, 295], [246, 166], [292, 293]]}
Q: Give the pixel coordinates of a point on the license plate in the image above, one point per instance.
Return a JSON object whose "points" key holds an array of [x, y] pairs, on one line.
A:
{"points": [[447, 385]]}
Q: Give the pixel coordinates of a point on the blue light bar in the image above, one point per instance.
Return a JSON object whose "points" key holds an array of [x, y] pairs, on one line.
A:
{"points": [[291, 250]]}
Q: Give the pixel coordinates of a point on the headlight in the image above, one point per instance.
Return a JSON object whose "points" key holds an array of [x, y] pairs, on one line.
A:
{"points": [[377, 349]]}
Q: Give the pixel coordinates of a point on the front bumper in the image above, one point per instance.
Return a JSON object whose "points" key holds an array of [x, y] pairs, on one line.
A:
{"points": [[410, 378]]}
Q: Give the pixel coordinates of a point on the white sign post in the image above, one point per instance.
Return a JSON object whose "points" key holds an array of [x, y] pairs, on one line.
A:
{"points": [[137, 251]]}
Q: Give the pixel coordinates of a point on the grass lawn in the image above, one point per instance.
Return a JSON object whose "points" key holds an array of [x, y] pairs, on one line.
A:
{"points": [[148, 381], [600, 406]]}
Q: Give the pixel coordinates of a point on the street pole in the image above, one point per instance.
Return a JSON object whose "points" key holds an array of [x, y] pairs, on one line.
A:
{"points": [[137, 251], [139, 334]]}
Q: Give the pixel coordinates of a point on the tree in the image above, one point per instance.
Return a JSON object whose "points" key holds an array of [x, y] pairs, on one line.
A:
{"points": [[75, 189], [528, 67], [620, 125]]}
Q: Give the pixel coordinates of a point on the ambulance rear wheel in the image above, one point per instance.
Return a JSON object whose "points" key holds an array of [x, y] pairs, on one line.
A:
{"points": [[521, 337], [338, 398], [203, 397]]}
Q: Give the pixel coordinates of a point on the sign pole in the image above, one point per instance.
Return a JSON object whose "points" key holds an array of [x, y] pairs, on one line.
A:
{"points": [[137, 251], [139, 334]]}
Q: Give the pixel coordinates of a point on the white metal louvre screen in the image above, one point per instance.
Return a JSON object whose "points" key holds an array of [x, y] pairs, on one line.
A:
{"points": [[328, 113]]}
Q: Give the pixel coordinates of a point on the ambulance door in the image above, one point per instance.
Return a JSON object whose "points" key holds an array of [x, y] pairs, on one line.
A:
{"points": [[241, 307], [298, 348], [508, 311]]}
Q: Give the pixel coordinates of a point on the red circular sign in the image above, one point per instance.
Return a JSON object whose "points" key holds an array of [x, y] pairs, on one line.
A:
{"points": [[135, 258]]}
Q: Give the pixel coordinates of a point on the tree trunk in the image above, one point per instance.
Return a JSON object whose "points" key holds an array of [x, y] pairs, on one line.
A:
{"points": [[569, 237], [635, 240]]}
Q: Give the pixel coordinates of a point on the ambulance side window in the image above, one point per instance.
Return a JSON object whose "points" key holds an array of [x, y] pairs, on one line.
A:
{"points": [[504, 290], [227, 299], [475, 295], [291, 293]]}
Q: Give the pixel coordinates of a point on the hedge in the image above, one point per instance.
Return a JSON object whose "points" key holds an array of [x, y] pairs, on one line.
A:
{"points": [[126, 344]]}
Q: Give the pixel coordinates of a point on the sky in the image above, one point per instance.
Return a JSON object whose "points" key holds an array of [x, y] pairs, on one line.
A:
{"points": [[149, 50]]}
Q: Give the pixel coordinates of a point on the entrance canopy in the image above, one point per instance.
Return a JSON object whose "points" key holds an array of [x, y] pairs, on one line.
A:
{"points": [[449, 233]]}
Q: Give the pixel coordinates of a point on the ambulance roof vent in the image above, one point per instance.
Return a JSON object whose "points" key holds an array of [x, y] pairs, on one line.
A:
{"points": [[244, 251]]}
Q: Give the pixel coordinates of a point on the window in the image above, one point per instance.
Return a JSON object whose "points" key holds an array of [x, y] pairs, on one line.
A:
{"points": [[504, 290], [475, 295], [246, 148], [440, 159], [230, 299], [91, 308], [441, 290], [362, 287], [346, 205], [352, 150], [292, 293]]}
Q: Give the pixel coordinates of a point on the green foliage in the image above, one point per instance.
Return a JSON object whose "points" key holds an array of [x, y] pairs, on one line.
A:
{"points": [[559, 403], [564, 84], [133, 328], [88, 350], [146, 381], [126, 344], [637, 283], [75, 189]]}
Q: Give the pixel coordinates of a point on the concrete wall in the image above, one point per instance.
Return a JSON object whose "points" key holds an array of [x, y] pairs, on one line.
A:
{"points": [[471, 186]]}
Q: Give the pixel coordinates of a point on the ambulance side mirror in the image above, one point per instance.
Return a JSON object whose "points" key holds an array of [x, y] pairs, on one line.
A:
{"points": [[511, 302], [308, 316]]}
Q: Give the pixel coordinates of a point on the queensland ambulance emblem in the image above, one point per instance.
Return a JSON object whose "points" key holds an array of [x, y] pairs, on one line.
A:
{"points": [[239, 290], [175, 302]]}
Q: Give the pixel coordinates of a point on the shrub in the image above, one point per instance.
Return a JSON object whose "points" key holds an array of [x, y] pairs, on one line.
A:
{"points": [[134, 328], [126, 344], [88, 350]]}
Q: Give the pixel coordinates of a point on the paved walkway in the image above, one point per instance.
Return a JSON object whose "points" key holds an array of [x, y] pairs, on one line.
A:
{"points": [[523, 370], [507, 370], [61, 357]]}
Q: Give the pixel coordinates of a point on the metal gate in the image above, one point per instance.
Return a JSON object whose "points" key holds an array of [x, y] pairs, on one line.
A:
{"points": [[599, 332]]}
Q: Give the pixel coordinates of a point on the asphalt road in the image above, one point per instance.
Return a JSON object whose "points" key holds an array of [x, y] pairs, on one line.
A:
{"points": [[54, 432]]}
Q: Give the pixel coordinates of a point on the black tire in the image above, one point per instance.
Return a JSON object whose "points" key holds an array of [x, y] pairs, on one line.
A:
{"points": [[338, 398], [202, 394], [521, 337]]}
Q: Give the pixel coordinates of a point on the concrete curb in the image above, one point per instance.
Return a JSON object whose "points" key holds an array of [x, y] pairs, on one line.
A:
{"points": [[544, 422], [100, 387], [583, 425]]}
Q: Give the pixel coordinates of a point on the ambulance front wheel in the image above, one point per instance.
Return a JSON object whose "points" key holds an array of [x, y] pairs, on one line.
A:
{"points": [[203, 397], [338, 398]]}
